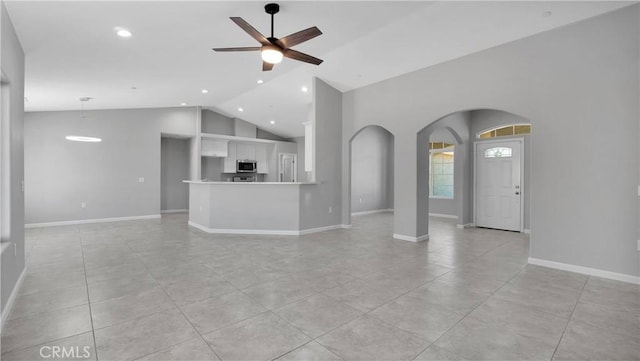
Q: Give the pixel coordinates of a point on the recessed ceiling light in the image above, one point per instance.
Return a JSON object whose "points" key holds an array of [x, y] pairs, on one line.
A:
{"points": [[260, 81], [204, 91], [304, 89], [546, 14], [123, 33], [240, 109], [183, 104], [273, 122]]}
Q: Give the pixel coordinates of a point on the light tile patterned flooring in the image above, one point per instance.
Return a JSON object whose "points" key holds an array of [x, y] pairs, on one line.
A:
{"points": [[158, 290]]}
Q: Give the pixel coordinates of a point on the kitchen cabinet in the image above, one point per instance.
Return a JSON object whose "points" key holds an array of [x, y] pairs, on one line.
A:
{"points": [[245, 151], [262, 158], [230, 160], [214, 148]]}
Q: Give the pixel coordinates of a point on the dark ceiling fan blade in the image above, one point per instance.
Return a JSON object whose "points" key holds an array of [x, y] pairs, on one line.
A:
{"points": [[250, 30], [248, 48], [296, 55], [299, 37], [266, 66]]}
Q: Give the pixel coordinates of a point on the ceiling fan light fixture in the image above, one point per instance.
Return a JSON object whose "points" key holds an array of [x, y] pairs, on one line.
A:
{"points": [[271, 54], [79, 138]]}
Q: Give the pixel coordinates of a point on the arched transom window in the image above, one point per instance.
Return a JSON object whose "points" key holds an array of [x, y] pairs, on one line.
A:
{"points": [[515, 129]]}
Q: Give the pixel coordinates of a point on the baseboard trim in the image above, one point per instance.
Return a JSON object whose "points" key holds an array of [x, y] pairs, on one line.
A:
{"points": [[440, 215], [527, 231], [320, 229], [174, 211], [345, 226], [12, 298], [466, 225], [266, 231], [94, 220], [585, 270], [411, 238], [371, 212]]}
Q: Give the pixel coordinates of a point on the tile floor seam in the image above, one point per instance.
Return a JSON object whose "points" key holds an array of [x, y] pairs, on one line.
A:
{"points": [[290, 351], [463, 318], [566, 326], [93, 331], [179, 309]]}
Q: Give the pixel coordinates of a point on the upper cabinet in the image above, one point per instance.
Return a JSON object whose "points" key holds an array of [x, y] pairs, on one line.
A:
{"points": [[214, 148], [230, 161], [246, 151], [262, 158]]}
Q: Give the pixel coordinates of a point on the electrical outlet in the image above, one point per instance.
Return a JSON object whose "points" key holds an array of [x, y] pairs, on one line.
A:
{"points": [[330, 209], [141, 180], [83, 205]]}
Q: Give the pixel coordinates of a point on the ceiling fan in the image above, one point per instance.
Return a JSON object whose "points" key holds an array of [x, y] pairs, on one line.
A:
{"points": [[274, 49]]}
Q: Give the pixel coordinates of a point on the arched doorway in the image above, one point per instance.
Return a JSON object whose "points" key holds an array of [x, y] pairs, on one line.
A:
{"points": [[371, 172], [457, 134]]}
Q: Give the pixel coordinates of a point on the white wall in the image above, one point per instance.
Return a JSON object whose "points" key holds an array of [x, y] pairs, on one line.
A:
{"points": [[371, 170], [12, 66], [174, 168], [571, 82], [60, 174]]}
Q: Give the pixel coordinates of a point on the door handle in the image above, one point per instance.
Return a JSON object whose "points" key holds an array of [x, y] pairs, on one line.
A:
{"points": [[517, 193]]}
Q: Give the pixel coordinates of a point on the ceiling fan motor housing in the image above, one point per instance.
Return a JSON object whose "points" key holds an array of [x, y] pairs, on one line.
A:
{"points": [[272, 8]]}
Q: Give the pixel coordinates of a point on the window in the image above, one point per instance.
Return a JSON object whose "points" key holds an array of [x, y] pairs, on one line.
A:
{"points": [[440, 170], [516, 129], [497, 152]]}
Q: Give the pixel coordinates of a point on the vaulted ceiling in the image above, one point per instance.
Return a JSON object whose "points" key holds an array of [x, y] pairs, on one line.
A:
{"points": [[72, 49]]}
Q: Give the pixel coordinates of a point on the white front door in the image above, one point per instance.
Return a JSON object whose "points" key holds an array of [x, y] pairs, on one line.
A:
{"points": [[498, 175]]}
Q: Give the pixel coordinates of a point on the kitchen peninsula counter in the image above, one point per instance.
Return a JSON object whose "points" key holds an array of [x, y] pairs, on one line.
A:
{"points": [[250, 207]]}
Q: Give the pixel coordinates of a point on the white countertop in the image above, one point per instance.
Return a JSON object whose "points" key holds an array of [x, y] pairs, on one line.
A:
{"points": [[245, 183]]}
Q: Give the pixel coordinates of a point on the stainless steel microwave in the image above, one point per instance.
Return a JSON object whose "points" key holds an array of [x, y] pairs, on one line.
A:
{"points": [[246, 166]]}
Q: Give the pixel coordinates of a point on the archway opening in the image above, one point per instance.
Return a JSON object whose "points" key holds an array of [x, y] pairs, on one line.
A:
{"points": [[446, 170], [371, 175]]}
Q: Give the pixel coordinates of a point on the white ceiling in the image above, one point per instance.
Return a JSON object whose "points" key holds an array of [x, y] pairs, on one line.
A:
{"points": [[72, 50]]}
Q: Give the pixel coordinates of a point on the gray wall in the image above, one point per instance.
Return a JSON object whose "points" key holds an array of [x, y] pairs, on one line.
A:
{"points": [[273, 207], [315, 201], [215, 123], [263, 134], [61, 174], [174, 168], [371, 170], [12, 65], [570, 82]]}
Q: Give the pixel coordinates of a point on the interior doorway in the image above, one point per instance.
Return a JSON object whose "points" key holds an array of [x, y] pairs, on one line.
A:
{"points": [[372, 171], [288, 167], [499, 175], [174, 169]]}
